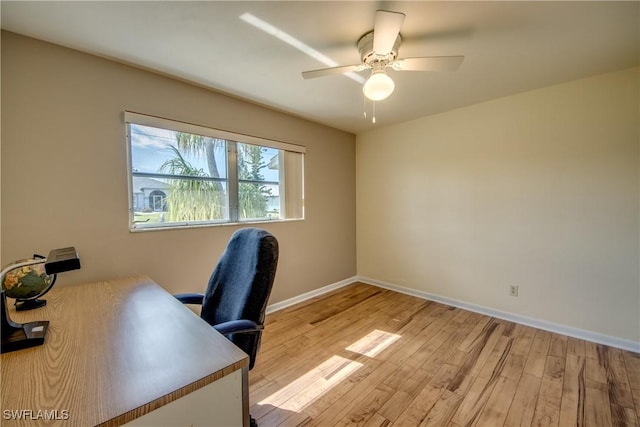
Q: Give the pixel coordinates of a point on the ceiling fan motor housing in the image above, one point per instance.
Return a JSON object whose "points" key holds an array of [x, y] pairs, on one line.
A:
{"points": [[369, 57]]}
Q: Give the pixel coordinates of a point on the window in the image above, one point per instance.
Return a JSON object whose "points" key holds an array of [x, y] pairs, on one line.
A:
{"points": [[157, 200], [188, 175]]}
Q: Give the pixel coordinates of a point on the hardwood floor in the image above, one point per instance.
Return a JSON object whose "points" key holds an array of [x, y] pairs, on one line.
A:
{"points": [[372, 357]]}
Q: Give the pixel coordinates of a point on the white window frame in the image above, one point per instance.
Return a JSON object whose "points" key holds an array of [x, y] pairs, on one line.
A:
{"points": [[291, 207]]}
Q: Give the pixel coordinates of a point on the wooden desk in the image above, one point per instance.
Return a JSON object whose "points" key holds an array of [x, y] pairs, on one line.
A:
{"points": [[119, 350]]}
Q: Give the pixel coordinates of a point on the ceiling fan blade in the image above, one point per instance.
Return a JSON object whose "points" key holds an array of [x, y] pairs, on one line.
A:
{"points": [[385, 30], [331, 71], [429, 63]]}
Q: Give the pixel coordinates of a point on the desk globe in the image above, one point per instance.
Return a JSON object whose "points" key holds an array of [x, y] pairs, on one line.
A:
{"points": [[27, 284]]}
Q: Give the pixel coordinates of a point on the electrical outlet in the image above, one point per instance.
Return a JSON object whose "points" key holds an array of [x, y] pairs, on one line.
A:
{"points": [[513, 290]]}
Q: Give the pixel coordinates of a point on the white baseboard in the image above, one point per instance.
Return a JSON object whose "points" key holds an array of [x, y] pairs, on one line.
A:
{"points": [[308, 295], [582, 334], [596, 337]]}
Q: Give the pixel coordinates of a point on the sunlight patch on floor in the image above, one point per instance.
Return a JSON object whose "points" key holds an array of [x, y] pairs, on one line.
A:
{"points": [[316, 382], [373, 343], [297, 395]]}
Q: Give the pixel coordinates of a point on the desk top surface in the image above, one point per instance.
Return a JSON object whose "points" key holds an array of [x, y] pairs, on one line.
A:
{"points": [[114, 351]]}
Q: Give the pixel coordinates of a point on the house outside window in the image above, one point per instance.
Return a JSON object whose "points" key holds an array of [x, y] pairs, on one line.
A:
{"points": [[187, 175]]}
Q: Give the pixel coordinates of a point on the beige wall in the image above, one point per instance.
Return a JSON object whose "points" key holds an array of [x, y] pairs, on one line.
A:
{"points": [[539, 190], [64, 173]]}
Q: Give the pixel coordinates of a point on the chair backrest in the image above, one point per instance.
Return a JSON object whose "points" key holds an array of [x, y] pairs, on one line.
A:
{"points": [[240, 284]]}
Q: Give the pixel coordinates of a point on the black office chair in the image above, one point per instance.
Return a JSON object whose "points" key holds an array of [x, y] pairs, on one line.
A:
{"points": [[236, 297]]}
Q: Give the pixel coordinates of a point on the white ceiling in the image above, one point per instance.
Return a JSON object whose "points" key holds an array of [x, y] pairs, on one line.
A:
{"points": [[509, 47]]}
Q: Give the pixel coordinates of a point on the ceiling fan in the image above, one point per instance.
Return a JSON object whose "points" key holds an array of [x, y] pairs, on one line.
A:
{"points": [[379, 50]]}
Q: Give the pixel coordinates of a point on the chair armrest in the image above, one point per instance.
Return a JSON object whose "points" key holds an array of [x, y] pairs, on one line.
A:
{"points": [[190, 298], [238, 327]]}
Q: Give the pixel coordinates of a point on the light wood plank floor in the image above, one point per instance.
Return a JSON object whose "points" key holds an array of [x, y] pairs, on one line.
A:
{"points": [[372, 357]]}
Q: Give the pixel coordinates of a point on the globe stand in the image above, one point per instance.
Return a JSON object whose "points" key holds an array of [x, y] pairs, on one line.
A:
{"points": [[16, 336], [30, 304]]}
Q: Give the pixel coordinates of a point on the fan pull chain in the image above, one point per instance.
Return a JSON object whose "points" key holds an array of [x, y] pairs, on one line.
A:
{"points": [[373, 109], [364, 106]]}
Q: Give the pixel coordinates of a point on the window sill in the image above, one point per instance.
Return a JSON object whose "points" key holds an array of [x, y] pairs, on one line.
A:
{"points": [[182, 226]]}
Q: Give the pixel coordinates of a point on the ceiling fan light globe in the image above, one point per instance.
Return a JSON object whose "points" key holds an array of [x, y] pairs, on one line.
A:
{"points": [[378, 87]]}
